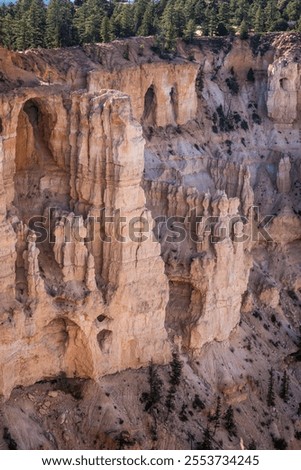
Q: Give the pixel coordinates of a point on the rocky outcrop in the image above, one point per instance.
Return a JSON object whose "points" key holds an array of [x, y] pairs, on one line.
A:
{"points": [[283, 91], [166, 93], [127, 186], [81, 299]]}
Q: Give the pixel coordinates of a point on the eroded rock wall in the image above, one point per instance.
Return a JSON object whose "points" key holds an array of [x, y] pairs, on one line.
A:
{"points": [[72, 302], [83, 291]]}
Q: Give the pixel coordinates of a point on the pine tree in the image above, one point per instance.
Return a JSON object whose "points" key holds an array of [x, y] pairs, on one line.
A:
{"points": [[197, 13], [229, 421], [155, 388], [59, 23], [176, 367], [243, 30], [293, 10], [8, 36], [170, 399], [149, 24], [36, 22], [105, 29], [284, 392], [240, 12], [167, 28], [126, 21], [271, 393], [212, 18], [140, 7], [259, 20], [272, 14], [206, 443], [88, 19], [22, 38], [189, 31], [252, 445]]}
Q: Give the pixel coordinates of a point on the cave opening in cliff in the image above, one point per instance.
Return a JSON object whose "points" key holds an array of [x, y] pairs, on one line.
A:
{"points": [[284, 84], [150, 107], [67, 347], [104, 339], [40, 183], [38, 178]]}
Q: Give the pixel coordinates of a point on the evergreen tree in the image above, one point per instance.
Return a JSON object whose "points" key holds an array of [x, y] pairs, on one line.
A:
{"points": [[176, 367], [211, 21], [22, 33], [241, 12], [126, 21], [155, 388], [189, 31], [197, 12], [105, 29], [59, 23], [88, 19], [243, 30], [168, 29], [259, 20], [140, 7], [148, 24], [206, 443], [284, 392], [170, 399], [272, 14], [229, 421], [8, 30], [252, 445], [36, 23], [293, 10], [122, 22], [271, 393]]}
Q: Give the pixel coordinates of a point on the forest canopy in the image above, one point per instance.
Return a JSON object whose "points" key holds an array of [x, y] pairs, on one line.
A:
{"points": [[61, 23]]}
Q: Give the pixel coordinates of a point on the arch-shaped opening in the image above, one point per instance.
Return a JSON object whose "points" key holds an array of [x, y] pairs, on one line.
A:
{"points": [[174, 102], [150, 107], [38, 179], [68, 348], [284, 84], [104, 339], [33, 133]]}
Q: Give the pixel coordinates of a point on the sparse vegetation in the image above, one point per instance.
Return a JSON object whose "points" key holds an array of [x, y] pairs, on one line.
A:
{"points": [[284, 392], [154, 395], [279, 443], [229, 421], [232, 84], [176, 367], [206, 443], [197, 403], [252, 445]]}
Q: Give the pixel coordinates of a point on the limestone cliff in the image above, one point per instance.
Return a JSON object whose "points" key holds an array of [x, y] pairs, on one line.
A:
{"points": [[151, 204]]}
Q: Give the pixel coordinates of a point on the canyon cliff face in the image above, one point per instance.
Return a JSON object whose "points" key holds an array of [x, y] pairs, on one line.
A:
{"points": [[72, 300], [148, 205]]}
